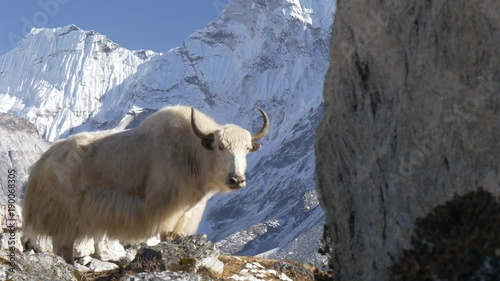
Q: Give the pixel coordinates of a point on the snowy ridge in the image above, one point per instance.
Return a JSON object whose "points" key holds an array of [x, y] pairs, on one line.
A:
{"points": [[56, 77], [267, 54]]}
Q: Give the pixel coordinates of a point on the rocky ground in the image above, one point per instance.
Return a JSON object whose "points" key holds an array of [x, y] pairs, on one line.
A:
{"points": [[188, 258], [235, 268]]}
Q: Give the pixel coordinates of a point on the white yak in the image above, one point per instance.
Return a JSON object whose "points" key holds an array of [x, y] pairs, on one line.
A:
{"points": [[132, 184]]}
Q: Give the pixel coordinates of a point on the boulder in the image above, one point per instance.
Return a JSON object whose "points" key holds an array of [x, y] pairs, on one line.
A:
{"points": [[153, 240], [84, 260], [37, 267], [11, 218], [84, 248], [82, 269], [99, 266], [11, 242], [109, 250], [183, 254], [411, 120], [11, 222]]}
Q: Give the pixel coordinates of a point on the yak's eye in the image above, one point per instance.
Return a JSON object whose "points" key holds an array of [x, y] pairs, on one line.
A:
{"points": [[221, 147]]}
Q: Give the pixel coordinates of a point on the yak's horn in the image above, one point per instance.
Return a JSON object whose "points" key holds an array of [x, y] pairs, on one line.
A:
{"points": [[265, 128], [197, 131]]}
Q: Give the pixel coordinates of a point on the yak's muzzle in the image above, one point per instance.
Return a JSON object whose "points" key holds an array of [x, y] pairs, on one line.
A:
{"points": [[236, 181]]}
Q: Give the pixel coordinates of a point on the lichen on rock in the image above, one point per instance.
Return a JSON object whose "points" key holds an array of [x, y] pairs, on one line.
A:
{"points": [[454, 241]]}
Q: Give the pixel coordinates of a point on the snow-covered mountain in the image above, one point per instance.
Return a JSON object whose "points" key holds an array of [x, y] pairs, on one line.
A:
{"points": [[268, 54]]}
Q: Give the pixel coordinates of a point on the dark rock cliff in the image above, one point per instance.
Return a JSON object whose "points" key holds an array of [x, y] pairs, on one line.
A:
{"points": [[411, 120]]}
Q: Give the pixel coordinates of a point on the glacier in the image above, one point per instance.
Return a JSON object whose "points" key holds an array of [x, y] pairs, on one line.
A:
{"points": [[256, 54]]}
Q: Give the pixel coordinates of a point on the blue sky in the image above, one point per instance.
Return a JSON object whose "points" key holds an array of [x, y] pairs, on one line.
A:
{"points": [[158, 25]]}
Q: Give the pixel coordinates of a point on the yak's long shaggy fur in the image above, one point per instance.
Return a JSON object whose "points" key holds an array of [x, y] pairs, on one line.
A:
{"points": [[129, 185]]}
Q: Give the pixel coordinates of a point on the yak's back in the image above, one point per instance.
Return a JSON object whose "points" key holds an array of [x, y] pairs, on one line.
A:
{"points": [[175, 120]]}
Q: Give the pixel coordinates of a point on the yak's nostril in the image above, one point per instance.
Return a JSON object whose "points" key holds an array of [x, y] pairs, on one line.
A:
{"points": [[236, 179]]}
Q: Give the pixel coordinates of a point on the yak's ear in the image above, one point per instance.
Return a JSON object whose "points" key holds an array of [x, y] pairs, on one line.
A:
{"points": [[255, 146], [207, 144]]}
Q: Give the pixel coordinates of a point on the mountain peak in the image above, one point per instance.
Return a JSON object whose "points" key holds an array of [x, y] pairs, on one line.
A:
{"points": [[66, 67], [309, 13], [70, 28], [46, 41], [58, 30]]}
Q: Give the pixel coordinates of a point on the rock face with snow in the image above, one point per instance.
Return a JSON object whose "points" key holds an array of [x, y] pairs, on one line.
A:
{"points": [[268, 54], [20, 146], [71, 72], [411, 119]]}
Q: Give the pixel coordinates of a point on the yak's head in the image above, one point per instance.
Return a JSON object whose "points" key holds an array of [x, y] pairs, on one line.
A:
{"points": [[231, 144]]}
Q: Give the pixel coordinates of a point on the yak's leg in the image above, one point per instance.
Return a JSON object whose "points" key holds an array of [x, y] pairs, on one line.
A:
{"points": [[64, 249], [169, 236], [187, 224], [67, 253], [57, 246], [189, 221]]}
